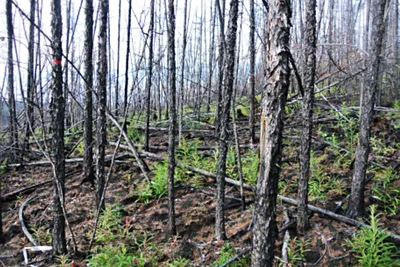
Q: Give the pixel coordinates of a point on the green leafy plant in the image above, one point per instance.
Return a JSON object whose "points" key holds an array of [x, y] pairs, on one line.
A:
{"points": [[370, 247], [385, 190], [227, 252], [111, 256], [42, 234], [250, 166], [63, 261]]}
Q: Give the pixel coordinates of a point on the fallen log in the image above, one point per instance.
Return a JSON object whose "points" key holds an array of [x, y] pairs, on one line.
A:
{"points": [[28, 189], [73, 160], [392, 237]]}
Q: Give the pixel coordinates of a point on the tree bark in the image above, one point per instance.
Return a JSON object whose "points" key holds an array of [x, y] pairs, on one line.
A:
{"points": [[273, 107], [88, 171], [118, 57], [149, 76], [12, 119], [182, 81], [221, 51], [367, 102], [172, 117], [252, 133], [224, 127], [57, 115], [31, 76], [307, 111], [102, 103], [128, 43]]}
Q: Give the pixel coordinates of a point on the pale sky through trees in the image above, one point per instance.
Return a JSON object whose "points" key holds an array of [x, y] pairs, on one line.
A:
{"points": [[140, 18]]}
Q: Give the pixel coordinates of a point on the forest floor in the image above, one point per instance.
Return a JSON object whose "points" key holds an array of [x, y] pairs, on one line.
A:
{"points": [[137, 223]]}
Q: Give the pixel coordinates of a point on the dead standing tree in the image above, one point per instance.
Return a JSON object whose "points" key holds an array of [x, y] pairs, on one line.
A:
{"points": [[88, 109], [367, 103], [172, 118], [12, 121], [307, 110], [57, 117], [102, 103], [273, 108], [226, 105]]}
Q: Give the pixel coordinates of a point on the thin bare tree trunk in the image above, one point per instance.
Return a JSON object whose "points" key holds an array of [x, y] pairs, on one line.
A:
{"points": [[211, 57], [12, 119], [182, 80], [57, 114], [118, 57], [128, 44], [367, 102], [307, 111], [149, 76], [273, 108], [172, 118], [252, 133], [31, 76], [223, 134], [88, 170], [102, 103]]}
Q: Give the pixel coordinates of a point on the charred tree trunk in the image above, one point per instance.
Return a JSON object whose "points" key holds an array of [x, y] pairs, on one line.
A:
{"points": [[102, 103], [223, 134], [12, 119], [57, 117], [221, 51], [367, 103], [273, 108], [211, 57], [252, 132], [182, 80], [128, 44], [68, 115], [172, 118], [31, 76], [307, 110], [88, 170], [118, 57], [149, 76]]}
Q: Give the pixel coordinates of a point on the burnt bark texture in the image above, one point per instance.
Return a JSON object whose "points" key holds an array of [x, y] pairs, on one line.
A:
{"points": [[172, 117], [224, 127], [273, 107], [31, 76], [88, 170], [118, 57], [149, 76], [128, 44], [367, 103], [182, 80], [252, 133], [102, 103], [307, 111], [57, 117], [12, 122], [221, 51]]}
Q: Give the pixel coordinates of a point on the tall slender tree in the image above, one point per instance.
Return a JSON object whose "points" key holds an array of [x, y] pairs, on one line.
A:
{"points": [[12, 120], [224, 127], [31, 76], [172, 117], [182, 80], [128, 45], [116, 106], [88, 170], [307, 110], [367, 103], [149, 76], [221, 50], [57, 116], [273, 108], [252, 48], [101, 133]]}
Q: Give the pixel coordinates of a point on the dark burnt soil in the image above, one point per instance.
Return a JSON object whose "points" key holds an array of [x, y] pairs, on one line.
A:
{"points": [[194, 212]]}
